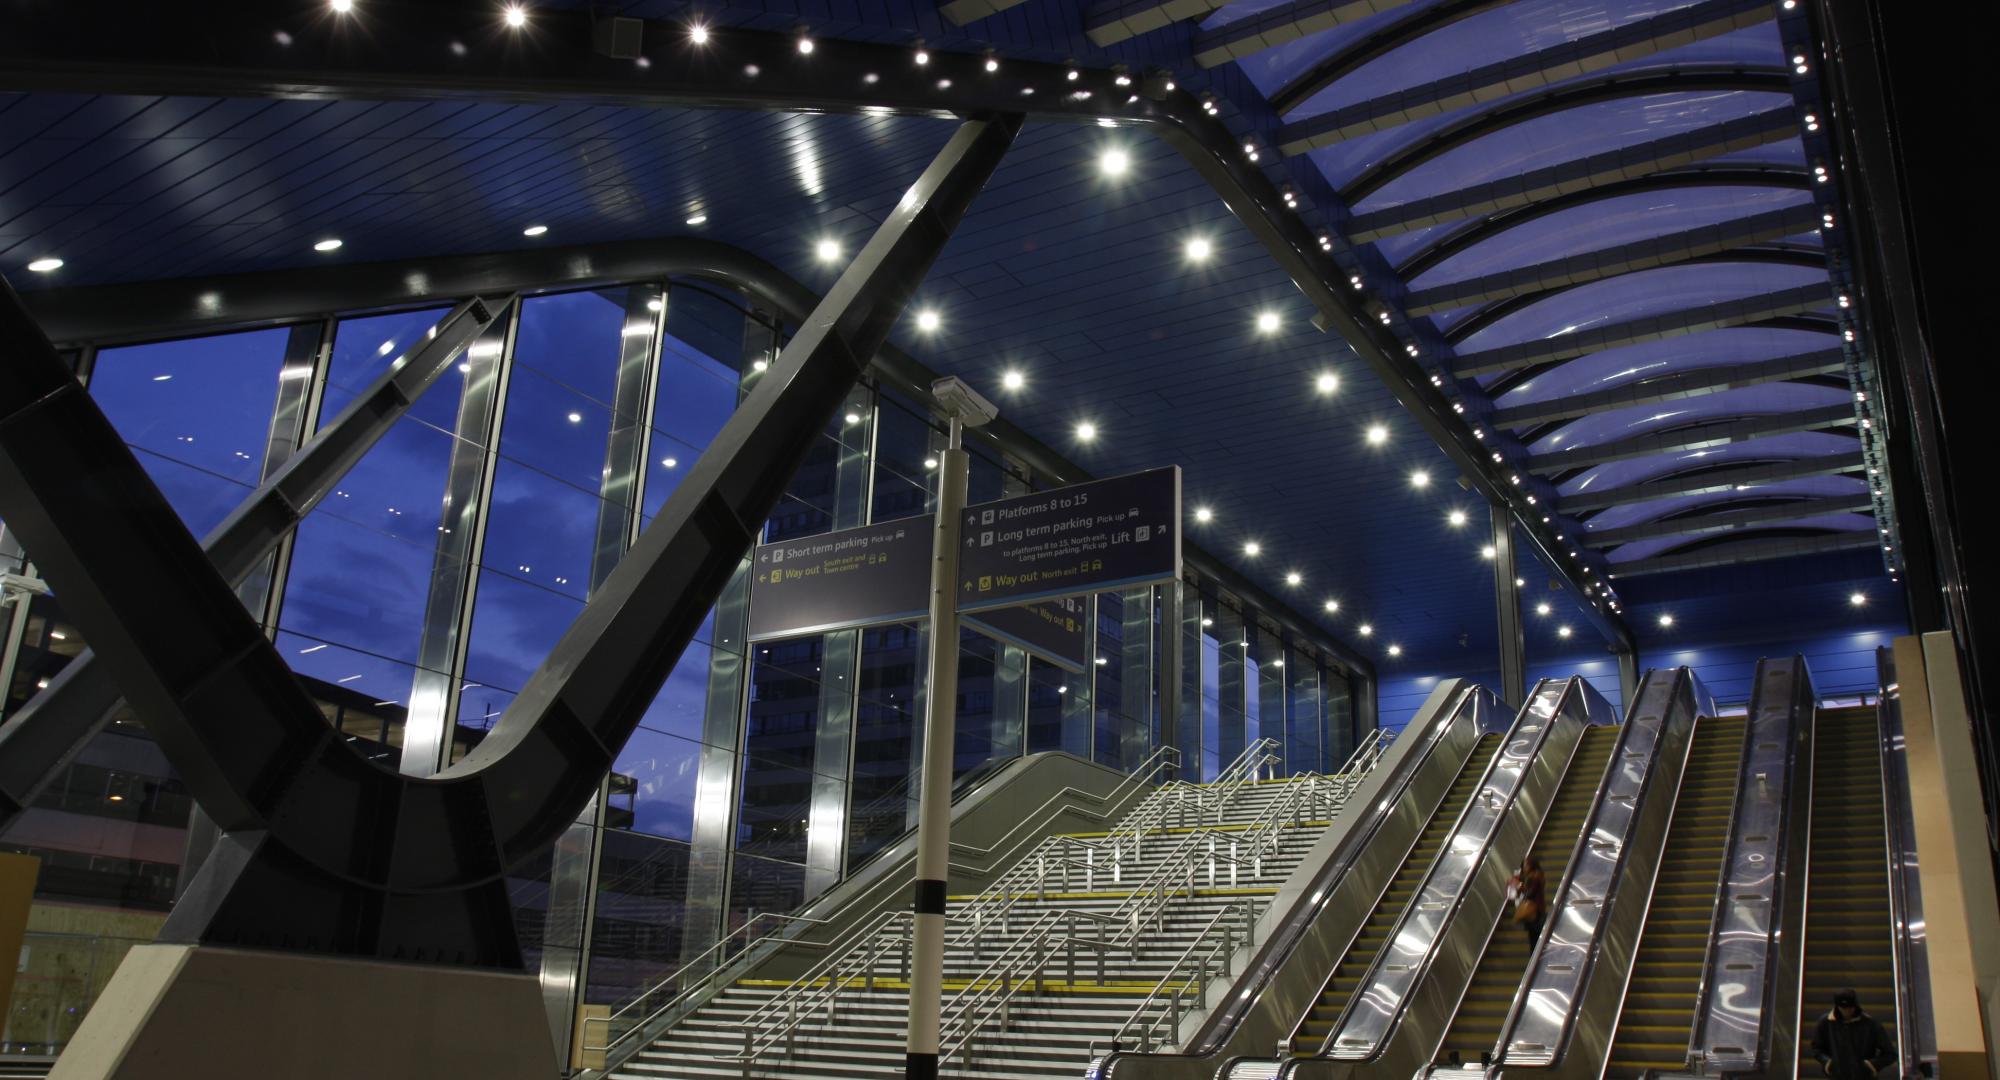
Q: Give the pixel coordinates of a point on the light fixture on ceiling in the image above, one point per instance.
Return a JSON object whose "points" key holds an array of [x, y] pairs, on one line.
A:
{"points": [[1267, 322], [1364, 629], [992, 63], [534, 230], [805, 44], [1331, 606], [1326, 383], [698, 33], [1012, 379], [1666, 620], [1295, 578], [928, 321], [1420, 479], [1457, 518], [1487, 552], [1543, 608], [852, 418], [1253, 549], [1199, 249], [1562, 631], [1858, 599], [1203, 514], [1114, 162], [46, 265], [1395, 650], [328, 244], [1377, 434], [922, 56], [1086, 431], [698, 219], [516, 16], [341, 7], [828, 250]]}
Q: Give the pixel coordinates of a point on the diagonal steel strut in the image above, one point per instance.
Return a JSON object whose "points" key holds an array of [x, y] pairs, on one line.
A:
{"points": [[38, 742], [322, 850]]}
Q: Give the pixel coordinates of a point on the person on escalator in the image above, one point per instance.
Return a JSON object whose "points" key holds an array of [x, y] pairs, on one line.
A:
{"points": [[1527, 890], [1850, 1044]]}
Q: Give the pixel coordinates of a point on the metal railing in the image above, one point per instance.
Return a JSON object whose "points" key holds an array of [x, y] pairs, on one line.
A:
{"points": [[1916, 1032], [818, 991], [1156, 1021]]}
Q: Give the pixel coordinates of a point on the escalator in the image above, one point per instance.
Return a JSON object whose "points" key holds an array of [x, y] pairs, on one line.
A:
{"points": [[1340, 985], [1476, 1027], [1658, 1018], [1847, 937]]}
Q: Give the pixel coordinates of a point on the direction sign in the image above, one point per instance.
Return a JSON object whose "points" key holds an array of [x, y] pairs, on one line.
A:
{"points": [[1055, 630], [1094, 537], [853, 577]]}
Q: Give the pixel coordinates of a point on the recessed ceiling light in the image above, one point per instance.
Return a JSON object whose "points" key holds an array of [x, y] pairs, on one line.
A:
{"points": [[853, 418], [1114, 162], [1086, 431], [922, 57], [1543, 608], [1562, 631], [341, 7], [1420, 479], [1858, 599], [1327, 382], [1203, 514], [698, 219], [670, 462], [517, 16], [1364, 629], [1199, 249], [805, 45], [698, 34], [1377, 434], [930, 463], [1457, 518], [1013, 380], [1487, 552], [1331, 606], [827, 250], [1294, 578], [47, 265], [328, 244], [1267, 322], [1253, 549], [1666, 620], [576, 418], [1395, 650], [534, 230], [928, 320]]}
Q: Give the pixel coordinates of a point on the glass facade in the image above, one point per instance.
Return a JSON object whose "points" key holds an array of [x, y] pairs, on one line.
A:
{"points": [[424, 592]]}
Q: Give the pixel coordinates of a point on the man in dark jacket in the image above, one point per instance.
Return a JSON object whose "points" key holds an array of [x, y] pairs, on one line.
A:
{"points": [[1850, 1044]]}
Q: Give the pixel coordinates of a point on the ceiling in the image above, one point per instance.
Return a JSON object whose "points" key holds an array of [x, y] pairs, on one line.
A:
{"points": [[1597, 220]]}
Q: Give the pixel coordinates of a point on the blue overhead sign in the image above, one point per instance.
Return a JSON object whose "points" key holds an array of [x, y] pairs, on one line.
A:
{"points": [[1107, 534]]}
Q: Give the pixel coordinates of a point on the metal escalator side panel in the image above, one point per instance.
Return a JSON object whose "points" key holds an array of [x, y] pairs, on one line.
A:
{"points": [[1916, 1043], [1748, 1006], [1398, 1016], [1568, 1004], [1324, 904]]}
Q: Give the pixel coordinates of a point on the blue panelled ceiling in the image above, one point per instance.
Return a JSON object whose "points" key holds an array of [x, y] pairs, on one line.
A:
{"points": [[1079, 281]]}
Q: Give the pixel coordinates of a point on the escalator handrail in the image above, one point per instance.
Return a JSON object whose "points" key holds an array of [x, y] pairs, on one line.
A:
{"points": [[1568, 987], [1336, 868], [1916, 1033], [1788, 852], [1573, 689]]}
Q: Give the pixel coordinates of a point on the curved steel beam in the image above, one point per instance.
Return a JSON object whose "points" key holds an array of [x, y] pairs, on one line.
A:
{"points": [[1649, 253], [1719, 517], [1701, 435], [1810, 324], [1574, 95], [1553, 64], [1737, 312], [1696, 481], [1674, 386], [1808, 259], [1597, 170], [322, 849], [1332, 69], [1271, 28], [1479, 230], [1746, 551]]}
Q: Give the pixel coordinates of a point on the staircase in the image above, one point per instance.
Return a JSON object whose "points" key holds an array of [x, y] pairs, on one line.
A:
{"points": [[1476, 1027], [1847, 940], [1658, 1021], [1340, 985], [1045, 967]]}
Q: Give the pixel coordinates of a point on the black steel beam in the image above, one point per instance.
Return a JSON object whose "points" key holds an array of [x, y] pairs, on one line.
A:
{"points": [[1695, 437], [1748, 551], [324, 851], [1450, 242], [1674, 387], [1345, 61], [460, 50], [1556, 63], [1589, 266], [40, 740], [1750, 309], [1598, 170], [1273, 27], [1739, 478], [1713, 521]]}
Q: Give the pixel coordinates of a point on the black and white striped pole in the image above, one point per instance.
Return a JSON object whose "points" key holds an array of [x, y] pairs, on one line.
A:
{"points": [[964, 408]]}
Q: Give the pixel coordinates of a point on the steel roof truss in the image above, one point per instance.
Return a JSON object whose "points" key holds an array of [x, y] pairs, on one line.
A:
{"points": [[1699, 437]]}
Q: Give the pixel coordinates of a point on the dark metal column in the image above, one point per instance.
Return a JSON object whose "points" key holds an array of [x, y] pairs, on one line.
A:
{"points": [[1507, 600]]}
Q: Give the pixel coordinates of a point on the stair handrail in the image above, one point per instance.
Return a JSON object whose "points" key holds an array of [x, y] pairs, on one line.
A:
{"points": [[699, 984], [1175, 984], [821, 987], [1024, 960], [1916, 1031], [1221, 792]]}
